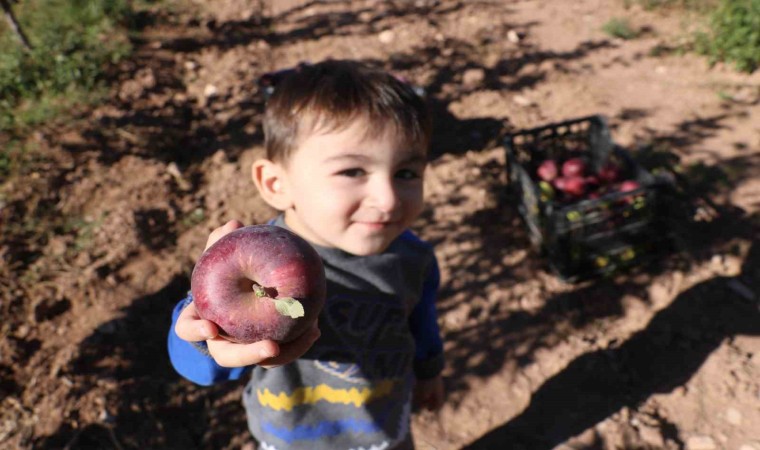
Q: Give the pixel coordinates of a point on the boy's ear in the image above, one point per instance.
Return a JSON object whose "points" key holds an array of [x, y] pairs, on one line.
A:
{"points": [[270, 179]]}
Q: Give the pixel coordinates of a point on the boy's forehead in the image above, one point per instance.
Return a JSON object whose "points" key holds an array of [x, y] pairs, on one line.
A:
{"points": [[360, 139], [369, 154]]}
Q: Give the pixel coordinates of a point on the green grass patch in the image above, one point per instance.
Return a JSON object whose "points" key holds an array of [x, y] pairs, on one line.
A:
{"points": [[733, 35], [690, 5], [729, 31], [72, 41], [620, 28], [16, 157]]}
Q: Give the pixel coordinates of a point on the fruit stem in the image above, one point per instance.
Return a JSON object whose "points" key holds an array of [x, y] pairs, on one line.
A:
{"points": [[287, 306], [259, 290]]}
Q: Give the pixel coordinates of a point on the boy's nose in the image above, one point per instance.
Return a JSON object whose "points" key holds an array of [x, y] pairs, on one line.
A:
{"points": [[383, 196]]}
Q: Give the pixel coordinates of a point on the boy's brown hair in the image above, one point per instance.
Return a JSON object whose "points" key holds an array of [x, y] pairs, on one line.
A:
{"points": [[331, 95]]}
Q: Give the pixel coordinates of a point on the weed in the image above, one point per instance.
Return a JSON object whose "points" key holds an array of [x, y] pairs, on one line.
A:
{"points": [[734, 35], [84, 229], [192, 219], [725, 96], [72, 42], [731, 33], [15, 158], [620, 28], [691, 5]]}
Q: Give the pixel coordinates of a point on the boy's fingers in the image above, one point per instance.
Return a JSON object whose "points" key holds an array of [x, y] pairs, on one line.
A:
{"points": [[230, 354], [293, 350], [267, 353], [190, 327], [218, 233]]}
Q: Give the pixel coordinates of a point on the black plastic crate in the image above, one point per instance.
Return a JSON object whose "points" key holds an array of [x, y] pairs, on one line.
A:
{"points": [[589, 236]]}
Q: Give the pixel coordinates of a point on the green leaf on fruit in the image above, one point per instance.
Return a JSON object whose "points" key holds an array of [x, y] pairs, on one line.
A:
{"points": [[289, 306]]}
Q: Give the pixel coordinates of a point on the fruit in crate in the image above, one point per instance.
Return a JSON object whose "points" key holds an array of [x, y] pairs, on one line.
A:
{"points": [[546, 191], [609, 173], [574, 167], [592, 182], [573, 186], [548, 170], [629, 185]]}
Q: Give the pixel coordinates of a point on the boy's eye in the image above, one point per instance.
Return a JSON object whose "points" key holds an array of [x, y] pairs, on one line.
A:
{"points": [[352, 173], [407, 174]]}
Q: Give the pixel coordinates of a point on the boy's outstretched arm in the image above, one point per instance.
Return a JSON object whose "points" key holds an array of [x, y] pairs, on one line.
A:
{"points": [[190, 358], [199, 354]]}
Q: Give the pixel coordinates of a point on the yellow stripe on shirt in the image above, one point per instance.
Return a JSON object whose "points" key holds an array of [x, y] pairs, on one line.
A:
{"points": [[309, 395]]}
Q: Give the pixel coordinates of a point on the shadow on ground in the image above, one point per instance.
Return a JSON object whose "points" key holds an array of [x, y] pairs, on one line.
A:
{"points": [[147, 405], [657, 359]]}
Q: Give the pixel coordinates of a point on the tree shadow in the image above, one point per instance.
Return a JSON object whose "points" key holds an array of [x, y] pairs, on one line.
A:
{"points": [[657, 359], [496, 308], [182, 131], [146, 404], [152, 116], [450, 59]]}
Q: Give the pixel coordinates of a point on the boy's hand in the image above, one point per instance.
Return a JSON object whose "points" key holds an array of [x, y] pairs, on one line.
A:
{"points": [[428, 394], [218, 233], [267, 353]]}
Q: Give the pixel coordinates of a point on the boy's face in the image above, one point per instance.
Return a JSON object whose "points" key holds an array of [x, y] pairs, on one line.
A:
{"points": [[353, 192]]}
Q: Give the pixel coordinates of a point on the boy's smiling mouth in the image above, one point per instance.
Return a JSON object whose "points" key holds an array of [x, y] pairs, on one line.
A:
{"points": [[375, 225]]}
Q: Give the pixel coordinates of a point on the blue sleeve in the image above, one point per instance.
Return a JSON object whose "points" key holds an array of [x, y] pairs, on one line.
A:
{"points": [[192, 362], [423, 322]]}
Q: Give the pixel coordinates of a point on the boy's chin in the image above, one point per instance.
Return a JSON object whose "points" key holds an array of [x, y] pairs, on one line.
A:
{"points": [[367, 248]]}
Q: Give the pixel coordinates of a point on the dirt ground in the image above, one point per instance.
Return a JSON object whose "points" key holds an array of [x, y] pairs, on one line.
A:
{"points": [[100, 238]]}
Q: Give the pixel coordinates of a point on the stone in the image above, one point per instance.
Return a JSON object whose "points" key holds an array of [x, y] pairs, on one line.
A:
{"points": [[522, 100], [473, 77], [386, 37], [701, 443], [733, 416], [652, 436], [210, 91]]}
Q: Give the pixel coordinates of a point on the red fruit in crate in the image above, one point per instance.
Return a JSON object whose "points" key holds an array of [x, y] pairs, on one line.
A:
{"points": [[592, 181], [548, 170], [572, 186], [609, 173], [574, 167], [628, 185], [575, 186]]}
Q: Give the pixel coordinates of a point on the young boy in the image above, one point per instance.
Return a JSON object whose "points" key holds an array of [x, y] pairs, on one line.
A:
{"points": [[346, 155]]}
